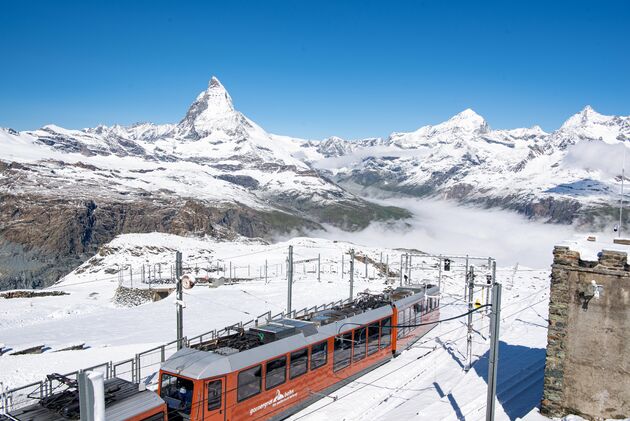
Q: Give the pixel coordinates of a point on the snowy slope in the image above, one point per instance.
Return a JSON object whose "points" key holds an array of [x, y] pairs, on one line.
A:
{"points": [[214, 173], [548, 175], [425, 382]]}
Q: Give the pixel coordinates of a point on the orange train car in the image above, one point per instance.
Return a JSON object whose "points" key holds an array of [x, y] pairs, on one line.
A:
{"points": [[272, 371]]}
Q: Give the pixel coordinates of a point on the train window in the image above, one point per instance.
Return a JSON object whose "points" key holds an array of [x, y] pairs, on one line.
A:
{"points": [[343, 348], [410, 320], [214, 395], [359, 344], [156, 417], [299, 362], [275, 372], [401, 323], [177, 392], [249, 382], [386, 332], [319, 355], [373, 334]]}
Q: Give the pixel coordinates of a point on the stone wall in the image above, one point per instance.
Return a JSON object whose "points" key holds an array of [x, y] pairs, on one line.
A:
{"points": [[587, 370]]}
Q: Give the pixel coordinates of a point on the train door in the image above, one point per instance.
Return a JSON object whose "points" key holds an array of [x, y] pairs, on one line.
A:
{"points": [[215, 400]]}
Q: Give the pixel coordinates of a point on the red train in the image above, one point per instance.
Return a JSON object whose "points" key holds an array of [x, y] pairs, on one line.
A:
{"points": [[268, 372], [272, 371]]}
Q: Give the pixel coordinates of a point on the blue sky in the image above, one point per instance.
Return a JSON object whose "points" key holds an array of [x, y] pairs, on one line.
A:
{"points": [[314, 68]]}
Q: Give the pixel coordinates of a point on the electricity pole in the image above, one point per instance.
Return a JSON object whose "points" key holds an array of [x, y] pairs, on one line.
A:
{"points": [[289, 279], [180, 299], [623, 171], [470, 278], [351, 273], [343, 256], [493, 361], [319, 268], [466, 275], [440, 275]]}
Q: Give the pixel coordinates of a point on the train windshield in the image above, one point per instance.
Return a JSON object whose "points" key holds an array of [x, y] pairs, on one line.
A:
{"points": [[177, 392]]}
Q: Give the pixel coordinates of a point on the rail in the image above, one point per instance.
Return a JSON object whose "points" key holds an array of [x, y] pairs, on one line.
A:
{"points": [[143, 367]]}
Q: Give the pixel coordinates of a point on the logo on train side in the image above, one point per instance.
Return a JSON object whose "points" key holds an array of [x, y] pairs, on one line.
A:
{"points": [[276, 400]]}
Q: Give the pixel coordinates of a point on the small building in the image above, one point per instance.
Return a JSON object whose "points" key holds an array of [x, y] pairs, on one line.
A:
{"points": [[587, 369]]}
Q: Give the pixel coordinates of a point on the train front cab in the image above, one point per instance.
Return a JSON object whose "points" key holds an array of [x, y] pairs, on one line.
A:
{"points": [[189, 399], [281, 385], [424, 310]]}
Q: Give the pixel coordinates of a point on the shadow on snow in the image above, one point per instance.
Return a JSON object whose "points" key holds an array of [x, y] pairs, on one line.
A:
{"points": [[519, 379]]}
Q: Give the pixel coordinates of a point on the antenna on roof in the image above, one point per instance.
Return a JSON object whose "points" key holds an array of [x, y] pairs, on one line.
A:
{"points": [[623, 171]]}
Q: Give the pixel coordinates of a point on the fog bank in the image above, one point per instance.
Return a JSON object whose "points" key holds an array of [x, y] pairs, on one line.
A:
{"points": [[443, 227]]}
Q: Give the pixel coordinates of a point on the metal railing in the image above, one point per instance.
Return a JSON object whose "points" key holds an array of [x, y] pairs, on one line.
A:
{"points": [[144, 366]]}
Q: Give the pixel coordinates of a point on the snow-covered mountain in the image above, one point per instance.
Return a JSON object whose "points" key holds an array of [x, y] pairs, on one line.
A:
{"points": [[65, 192], [569, 175]]}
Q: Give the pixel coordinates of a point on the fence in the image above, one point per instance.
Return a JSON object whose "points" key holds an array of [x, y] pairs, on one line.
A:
{"points": [[142, 368]]}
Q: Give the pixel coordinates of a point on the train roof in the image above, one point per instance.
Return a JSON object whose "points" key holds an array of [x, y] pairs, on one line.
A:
{"points": [[123, 400], [216, 357]]}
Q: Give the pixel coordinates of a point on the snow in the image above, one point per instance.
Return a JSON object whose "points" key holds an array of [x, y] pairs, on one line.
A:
{"points": [[589, 250], [425, 382]]}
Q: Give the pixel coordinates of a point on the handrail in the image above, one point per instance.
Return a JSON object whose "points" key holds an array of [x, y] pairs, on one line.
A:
{"points": [[45, 387]]}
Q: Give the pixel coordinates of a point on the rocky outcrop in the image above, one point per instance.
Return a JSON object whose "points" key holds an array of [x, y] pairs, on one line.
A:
{"points": [[44, 238]]}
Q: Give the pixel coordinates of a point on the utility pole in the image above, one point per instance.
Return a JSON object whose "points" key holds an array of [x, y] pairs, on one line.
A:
{"points": [[180, 299], [409, 269], [623, 171], [440, 275], [489, 283], [351, 274], [401, 269], [289, 279], [366, 266], [493, 361], [470, 278], [342, 264], [319, 267], [466, 282], [265, 271]]}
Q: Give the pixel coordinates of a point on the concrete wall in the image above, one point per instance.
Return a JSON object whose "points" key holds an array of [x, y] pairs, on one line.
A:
{"points": [[587, 370]]}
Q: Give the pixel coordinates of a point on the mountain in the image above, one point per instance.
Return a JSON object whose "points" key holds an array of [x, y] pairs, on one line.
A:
{"points": [[571, 175], [63, 193], [216, 173]]}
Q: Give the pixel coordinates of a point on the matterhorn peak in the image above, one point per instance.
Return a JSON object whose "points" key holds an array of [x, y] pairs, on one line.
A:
{"points": [[211, 103]]}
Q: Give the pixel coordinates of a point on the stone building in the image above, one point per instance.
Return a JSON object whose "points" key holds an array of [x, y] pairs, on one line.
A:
{"points": [[587, 370]]}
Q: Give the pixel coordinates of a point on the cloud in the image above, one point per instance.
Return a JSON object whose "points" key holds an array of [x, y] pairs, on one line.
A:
{"points": [[334, 163], [442, 227], [599, 156]]}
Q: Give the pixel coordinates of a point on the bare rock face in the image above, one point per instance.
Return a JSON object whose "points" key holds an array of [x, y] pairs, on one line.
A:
{"points": [[42, 238]]}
